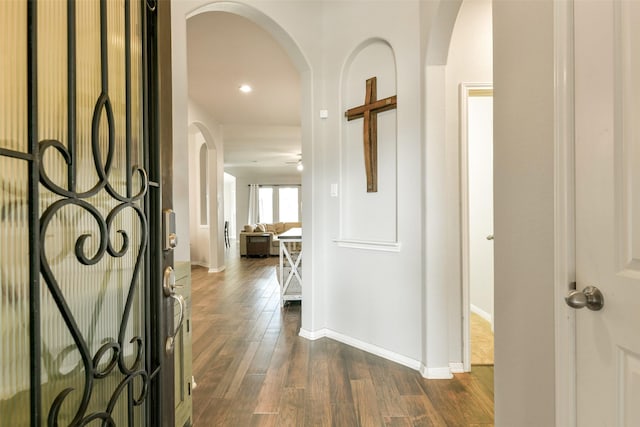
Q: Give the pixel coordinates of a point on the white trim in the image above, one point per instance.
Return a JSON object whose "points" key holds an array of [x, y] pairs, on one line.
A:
{"points": [[564, 215], [200, 264], [209, 270], [480, 312], [312, 335], [369, 245], [465, 88], [369, 348], [436, 373], [456, 367]]}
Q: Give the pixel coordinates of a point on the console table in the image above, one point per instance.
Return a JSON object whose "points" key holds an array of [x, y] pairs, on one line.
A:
{"points": [[290, 265]]}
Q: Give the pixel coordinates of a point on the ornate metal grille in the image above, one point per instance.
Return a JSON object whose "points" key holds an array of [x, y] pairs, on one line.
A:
{"points": [[77, 343]]}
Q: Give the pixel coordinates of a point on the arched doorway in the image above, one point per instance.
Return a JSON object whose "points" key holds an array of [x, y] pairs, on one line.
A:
{"points": [[205, 177]]}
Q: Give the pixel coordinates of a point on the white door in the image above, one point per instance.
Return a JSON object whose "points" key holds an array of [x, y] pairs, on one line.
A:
{"points": [[607, 114], [480, 176]]}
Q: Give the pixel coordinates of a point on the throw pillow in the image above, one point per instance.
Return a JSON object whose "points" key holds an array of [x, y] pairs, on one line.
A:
{"points": [[260, 228], [248, 228]]}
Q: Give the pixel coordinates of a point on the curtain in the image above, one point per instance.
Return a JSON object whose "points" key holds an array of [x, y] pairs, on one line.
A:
{"points": [[253, 204]]}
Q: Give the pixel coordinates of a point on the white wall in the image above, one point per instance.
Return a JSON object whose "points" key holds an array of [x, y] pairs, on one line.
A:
{"points": [[524, 213], [470, 60], [373, 296]]}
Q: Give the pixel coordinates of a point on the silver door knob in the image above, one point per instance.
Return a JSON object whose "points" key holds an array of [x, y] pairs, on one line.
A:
{"points": [[589, 297]]}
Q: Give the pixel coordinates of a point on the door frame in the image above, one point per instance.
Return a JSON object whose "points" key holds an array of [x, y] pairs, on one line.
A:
{"points": [[564, 217], [465, 93], [162, 131]]}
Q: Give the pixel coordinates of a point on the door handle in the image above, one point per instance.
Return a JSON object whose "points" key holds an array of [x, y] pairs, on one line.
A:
{"points": [[171, 339], [169, 289], [589, 297], [169, 282], [490, 237]]}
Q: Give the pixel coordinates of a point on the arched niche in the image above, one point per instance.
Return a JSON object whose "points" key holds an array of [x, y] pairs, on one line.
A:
{"points": [[369, 217]]}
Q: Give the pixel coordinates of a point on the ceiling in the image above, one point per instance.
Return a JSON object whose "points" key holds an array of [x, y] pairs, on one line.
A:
{"points": [[261, 128]]}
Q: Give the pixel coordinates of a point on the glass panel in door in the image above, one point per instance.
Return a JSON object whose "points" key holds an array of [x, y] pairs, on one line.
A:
{"points": [[83, 107], [14, 225]]}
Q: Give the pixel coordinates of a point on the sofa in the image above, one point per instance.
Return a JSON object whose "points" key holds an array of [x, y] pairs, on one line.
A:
{"points": [[273, 230]]}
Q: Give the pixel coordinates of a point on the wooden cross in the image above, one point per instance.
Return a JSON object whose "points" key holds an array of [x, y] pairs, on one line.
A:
{"points": [[369, 111]]}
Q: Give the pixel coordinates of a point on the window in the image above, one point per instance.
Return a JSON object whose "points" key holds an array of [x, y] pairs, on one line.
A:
{"points": [[279, 204], [288, 206]]}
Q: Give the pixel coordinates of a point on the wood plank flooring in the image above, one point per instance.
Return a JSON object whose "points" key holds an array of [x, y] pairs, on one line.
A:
{"points": [[481, 341], [253, 369]]}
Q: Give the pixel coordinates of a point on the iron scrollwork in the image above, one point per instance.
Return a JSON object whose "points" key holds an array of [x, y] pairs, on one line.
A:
{"points": [[91, 248]]}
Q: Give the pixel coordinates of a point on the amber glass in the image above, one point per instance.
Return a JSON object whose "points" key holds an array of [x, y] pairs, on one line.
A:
{"points": [[14, 226]]}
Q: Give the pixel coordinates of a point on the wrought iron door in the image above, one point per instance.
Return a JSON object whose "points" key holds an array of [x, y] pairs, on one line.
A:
{"points": [[77, 213]]}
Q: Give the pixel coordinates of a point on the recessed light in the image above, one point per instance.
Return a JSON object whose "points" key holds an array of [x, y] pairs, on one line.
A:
{"points": [[245, 88]]}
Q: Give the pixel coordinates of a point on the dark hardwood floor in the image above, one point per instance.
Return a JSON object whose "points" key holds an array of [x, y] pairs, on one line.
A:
{"points": [[253, 369]]}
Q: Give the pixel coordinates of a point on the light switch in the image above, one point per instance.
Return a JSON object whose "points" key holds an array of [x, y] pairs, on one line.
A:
{"points": [[334, 190], [324, 114]]}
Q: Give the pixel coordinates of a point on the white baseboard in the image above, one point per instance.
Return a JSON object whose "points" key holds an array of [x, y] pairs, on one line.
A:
{"points": [[369, 348], [210, 270], [480, 312], [443, 373], [456, 367], [312, 336]]}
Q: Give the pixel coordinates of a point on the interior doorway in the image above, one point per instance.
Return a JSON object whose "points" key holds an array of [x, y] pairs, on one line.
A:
{"points": [[460, 50], [462, 53], [205, 213], [476, 165]]}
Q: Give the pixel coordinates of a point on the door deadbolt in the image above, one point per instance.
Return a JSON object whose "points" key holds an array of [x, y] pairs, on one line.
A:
{"points": [[170, 237]]}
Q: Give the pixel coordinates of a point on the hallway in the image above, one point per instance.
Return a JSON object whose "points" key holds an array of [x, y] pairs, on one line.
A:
{"points": [[252, 369]]}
